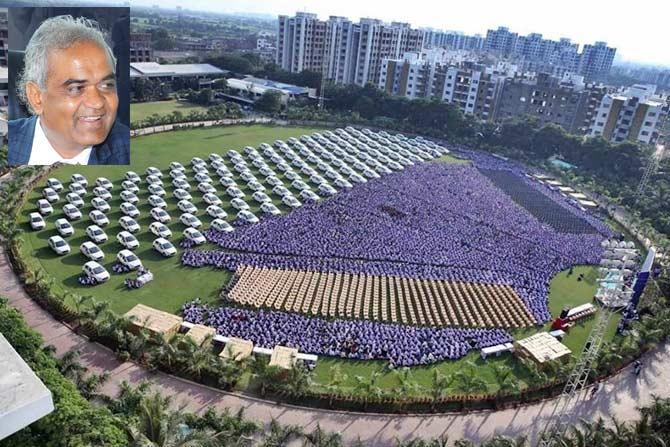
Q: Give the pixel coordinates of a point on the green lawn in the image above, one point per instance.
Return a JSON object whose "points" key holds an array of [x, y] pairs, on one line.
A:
{"points": [[140, 111], [174, 284]]}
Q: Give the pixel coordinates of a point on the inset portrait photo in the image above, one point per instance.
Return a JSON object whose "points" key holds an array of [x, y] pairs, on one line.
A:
{"points": [[68, 86]]}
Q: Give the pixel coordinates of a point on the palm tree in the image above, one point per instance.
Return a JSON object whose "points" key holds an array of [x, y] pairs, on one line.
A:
{"points": [[280, 436], [265, 376], [337, 378], [468, 381], [164, 352], [505, 379], [320, 438], [439, 385], [367, 388], [298, 381], [156, 426], [197, 362]]}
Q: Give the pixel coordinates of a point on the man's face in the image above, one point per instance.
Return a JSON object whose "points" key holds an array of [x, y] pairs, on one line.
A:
{"points": [[79, 105]]}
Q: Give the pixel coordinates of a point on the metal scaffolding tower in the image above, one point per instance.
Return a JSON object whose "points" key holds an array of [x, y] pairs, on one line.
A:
{"points": [[650, 170], [579, 376]]}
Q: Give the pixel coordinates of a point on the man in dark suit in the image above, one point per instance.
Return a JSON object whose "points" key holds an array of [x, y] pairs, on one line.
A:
{"points": [[69, 86]]}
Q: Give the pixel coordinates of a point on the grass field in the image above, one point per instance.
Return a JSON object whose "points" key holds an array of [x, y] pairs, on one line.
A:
{"points": [[174, 284], [140, 111]]}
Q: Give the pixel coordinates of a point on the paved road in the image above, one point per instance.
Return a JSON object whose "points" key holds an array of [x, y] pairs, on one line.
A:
{"points": [[619, 396]]}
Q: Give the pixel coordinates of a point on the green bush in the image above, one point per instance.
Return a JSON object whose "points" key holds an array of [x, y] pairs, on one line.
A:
{"points": [[74, 422]]}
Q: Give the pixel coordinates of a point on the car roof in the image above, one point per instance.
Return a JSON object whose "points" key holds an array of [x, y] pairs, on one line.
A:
{"points": [[92, 264]]}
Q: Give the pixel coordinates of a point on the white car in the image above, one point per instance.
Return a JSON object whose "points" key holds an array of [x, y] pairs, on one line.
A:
{"points": [[78, 178], [129, 197], [187, 207], [291, 201], [95, 271], [64, 228], [44, 207], [190, 220], [129, 210], [36, 221], [160, 230], [164, 247], [129, 259], [292, 175], [181, 183], [201, 177], [128, 223], [153, 179], [299, 185], [197, 161], [50, 195], [157, 201], [71, 211], [98, 218], [129, 186], [177, 173], [100, 204], [96, 234], [281, 191], [273, 180], [132, 176], [239, 204], [160, 215], [227, 182], [221, 225], [247, 216], [58, 245], [213, 157], [200, 168], [101, 192], [156, 189], [77, 188], [223, 171], [216, 212], [91, 251], [357, 178], [327, 190], [342, 183], [176, 166], [182, 194], [234, 191], [261, 197], [247, 176], [206, 188], [270, 208], [127, 240], [104, 183], [254, 185], [211, 199], [74, 199], [54, 184], [309, 195], [194, 236], [153, 171]]}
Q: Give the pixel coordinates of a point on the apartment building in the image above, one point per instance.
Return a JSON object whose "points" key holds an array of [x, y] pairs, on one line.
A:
{"points": [[636, 113], [596, 60], [343, 51], [473, 88], [568, 101]]}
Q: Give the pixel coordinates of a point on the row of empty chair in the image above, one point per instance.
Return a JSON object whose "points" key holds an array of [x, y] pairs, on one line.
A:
{"points": [[424, 302]]}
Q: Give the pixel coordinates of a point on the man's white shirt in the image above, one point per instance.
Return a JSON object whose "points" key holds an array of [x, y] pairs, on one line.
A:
{"points": [[43, 153]]}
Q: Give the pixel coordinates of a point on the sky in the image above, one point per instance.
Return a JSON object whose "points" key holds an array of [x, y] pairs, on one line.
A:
{"points": [[638, 29]]}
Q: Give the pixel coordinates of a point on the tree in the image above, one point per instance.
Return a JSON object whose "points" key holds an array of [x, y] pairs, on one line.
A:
{"points": [[469, 381], [265, 376], [270, 102], [337, 378], [366, 387]]}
